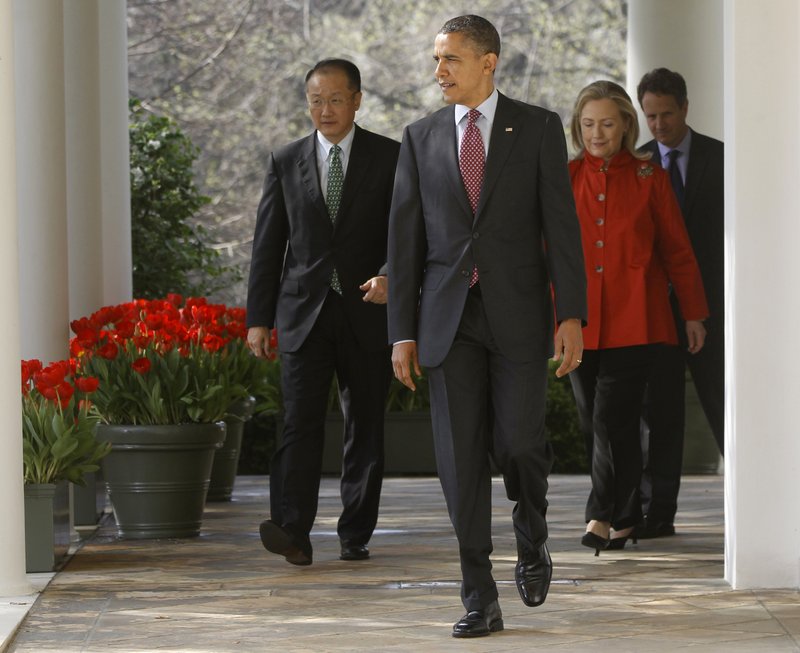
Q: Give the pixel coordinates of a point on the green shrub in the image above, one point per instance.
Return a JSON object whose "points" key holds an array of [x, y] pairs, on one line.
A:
{"points": [[563, 428], [169, 253]]}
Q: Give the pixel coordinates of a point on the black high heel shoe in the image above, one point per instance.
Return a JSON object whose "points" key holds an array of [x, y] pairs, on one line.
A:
{"points": [[618, 543], [594, 541]]}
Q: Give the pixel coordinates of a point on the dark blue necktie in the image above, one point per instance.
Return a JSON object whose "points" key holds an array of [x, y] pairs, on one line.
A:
{"points": [[675, 175]]}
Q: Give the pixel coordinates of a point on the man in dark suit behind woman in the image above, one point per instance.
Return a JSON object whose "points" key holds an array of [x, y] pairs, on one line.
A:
{"points": [[318, 275], [697, 179], [482, 228]]}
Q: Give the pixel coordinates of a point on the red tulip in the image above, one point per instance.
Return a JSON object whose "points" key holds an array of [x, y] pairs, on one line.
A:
{"points": [[87, 384], [141, 365], [108, 351]]}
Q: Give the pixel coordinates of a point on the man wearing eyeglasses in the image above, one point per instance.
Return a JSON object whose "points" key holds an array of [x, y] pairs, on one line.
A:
{"points": [[318, 275]]}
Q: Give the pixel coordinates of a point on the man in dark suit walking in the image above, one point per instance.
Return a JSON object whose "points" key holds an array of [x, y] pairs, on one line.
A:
{"points": [[696, 166], [319, 253], [483, 224]]}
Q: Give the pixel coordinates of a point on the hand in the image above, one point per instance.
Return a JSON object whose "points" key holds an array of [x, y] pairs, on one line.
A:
{"points": [[696, 335], [375, 290], [404, 357], [258, 341], [569, 345]]}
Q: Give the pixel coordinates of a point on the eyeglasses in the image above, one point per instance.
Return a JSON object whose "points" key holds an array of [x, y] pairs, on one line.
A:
{"points": [[337, 102]]}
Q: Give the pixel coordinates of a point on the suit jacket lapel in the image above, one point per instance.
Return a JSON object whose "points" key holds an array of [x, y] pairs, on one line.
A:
{"points": [[504, 134], [694, 173], [445, 139], [357, 167], [309, 175]]}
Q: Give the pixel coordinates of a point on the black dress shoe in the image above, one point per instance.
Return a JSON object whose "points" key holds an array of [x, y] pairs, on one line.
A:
{"points": [[479, 623], [649, 529], [532, 574], [278, 540], [354, 552]]}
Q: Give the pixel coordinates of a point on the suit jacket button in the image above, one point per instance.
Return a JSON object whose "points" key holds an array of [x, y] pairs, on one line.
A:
{"points": [[464, 273], [598, 268], [476, 235], [601, 197], [599, 243]]}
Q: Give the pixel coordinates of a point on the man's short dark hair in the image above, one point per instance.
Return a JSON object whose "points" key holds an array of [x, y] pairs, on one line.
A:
{"points": [[347, 67], [478, 30], [663, 81]]}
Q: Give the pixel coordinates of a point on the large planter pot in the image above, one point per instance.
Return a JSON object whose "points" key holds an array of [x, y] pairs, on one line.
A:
{"points": [[226, 458], [47, 527], [157, 476], [89, 501], [408, 443]]}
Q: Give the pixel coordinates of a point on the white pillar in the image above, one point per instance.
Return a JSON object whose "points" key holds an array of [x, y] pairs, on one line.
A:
{"points": [[41, 178], [114, 151], [684, 36], [84, 178], [762, 105], [98, 182], [12, 533]]}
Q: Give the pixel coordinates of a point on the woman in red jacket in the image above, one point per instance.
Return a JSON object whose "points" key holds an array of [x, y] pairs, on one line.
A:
{"points": [[635, 246]]}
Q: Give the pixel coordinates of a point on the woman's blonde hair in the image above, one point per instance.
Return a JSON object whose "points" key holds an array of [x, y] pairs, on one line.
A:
{"points": [[605, 90]]}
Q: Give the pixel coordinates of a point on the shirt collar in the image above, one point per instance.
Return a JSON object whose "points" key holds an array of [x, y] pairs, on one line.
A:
{"points": [[683, 146], [346, 143], [487, 108]]}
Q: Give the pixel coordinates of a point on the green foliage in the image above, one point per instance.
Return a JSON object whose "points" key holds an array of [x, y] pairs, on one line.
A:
{"points": [[404, 399], [170, 254], [563, 427], [58, 443]]}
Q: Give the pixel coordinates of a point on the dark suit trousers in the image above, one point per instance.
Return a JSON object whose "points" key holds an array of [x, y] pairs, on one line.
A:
{"points": [[483, 404], [609, 387], [306, 376], [663, 418]]}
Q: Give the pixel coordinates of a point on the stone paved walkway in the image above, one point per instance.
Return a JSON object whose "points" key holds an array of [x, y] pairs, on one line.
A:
{"points": [[223, 593]]}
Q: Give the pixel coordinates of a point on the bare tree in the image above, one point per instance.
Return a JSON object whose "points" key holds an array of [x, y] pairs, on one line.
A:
{"points": [[231, 74]]}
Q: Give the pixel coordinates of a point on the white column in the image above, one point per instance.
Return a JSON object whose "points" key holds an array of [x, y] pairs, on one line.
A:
{"points": [[98, 182], [12, 533], [84, 178], [762, 105], [41, 178], [684, 36], [114, 151]]}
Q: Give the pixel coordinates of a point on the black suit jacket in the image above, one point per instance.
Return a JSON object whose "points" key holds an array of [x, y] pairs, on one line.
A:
{"points": [[525, 235], [296, 246], [704, 214]]}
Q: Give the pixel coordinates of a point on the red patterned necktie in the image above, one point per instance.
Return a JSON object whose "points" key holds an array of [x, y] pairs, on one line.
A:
{"points": [[471, 161]]}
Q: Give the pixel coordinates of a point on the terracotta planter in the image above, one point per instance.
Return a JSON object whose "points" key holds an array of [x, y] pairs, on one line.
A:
{"points": [[226, 458], [157, 476]]}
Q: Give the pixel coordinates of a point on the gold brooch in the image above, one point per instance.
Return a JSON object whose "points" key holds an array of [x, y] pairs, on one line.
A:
{"points": [[645, 171]]}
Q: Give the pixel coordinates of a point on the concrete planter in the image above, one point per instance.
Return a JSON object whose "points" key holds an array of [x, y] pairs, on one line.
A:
{"points": [[47, 529], [89, 501], [158, 475], [408, 444], [226, 458]]}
